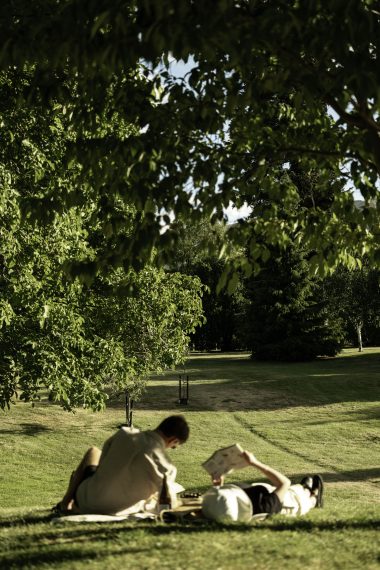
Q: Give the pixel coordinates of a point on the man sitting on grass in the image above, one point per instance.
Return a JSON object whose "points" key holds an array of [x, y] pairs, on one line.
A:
{"points": [[225, 503], [131, 468]]}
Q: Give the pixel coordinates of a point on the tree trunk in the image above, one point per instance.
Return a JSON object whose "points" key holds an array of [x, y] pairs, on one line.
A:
{"points": [[128, 409], [359, 333]]}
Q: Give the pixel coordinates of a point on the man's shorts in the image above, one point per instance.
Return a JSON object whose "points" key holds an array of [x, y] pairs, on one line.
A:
{"points": [[263, 501]]}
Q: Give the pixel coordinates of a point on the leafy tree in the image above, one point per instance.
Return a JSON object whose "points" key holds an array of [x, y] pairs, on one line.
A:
{"points": [[77, 339], [79, 342], [197, 242], [288, 319], [271, 83], [288, 314], [223, 310], [354, 297]]}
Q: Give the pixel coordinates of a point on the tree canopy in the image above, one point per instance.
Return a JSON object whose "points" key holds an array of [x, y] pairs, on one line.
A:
{"points": [[77, 337], [80, 343], [270, 83]]}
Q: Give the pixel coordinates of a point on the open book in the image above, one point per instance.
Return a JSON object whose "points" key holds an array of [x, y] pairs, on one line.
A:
{"points": [[225, 460]]}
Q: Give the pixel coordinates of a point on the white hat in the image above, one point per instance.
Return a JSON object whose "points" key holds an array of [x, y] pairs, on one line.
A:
{"points": [[228, 503]]}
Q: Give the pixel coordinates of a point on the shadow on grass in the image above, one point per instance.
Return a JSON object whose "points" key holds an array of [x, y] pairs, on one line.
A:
{"points": [[228, 383], [230, 395], [32, 519], [71, 542], [32, 558], [359, 476], [301, 525], [83, 531], [339, 475], [364, 414], [26, 429]]}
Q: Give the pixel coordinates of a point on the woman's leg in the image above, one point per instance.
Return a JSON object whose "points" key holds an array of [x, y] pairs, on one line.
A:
{"points": [[91, 457]]}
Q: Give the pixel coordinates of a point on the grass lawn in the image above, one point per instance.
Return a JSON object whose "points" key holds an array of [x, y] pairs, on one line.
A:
{"points": [[300, 418]]}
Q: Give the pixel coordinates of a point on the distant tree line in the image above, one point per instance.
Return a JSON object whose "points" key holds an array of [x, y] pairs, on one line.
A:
{"points": [[283, 312]]}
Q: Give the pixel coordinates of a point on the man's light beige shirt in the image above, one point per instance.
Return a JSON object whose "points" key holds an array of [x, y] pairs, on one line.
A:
{"points": [[131, 469]]}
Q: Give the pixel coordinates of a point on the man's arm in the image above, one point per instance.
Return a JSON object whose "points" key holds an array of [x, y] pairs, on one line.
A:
{"points": [[167, 472]]}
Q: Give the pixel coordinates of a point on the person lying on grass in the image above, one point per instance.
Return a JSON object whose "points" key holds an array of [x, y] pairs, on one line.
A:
{"points": [[226, 503], [127, 473]]}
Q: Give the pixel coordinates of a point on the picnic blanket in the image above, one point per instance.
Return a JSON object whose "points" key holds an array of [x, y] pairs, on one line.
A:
{"points": [[191, 510], [103, 518], [191, 505]]}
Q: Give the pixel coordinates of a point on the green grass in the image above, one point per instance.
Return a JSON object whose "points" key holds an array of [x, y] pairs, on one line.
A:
{"points": [[300, 418]]}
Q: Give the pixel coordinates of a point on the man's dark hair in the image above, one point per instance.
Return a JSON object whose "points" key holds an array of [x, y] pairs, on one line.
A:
{"points": [[175, 426]]}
